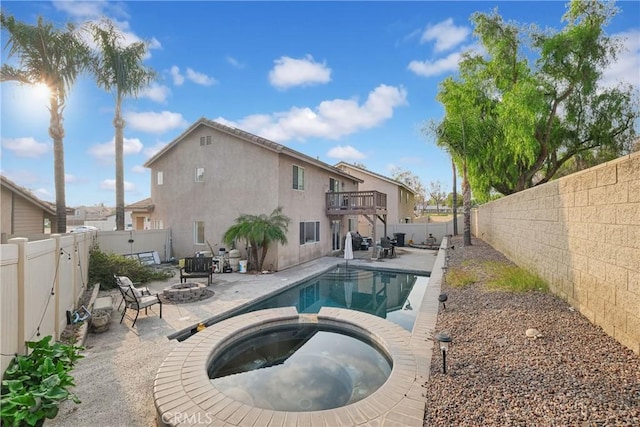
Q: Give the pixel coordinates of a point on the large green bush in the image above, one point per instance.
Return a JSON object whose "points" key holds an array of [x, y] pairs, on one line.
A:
{"points": [[102, 267], [34, 386]]}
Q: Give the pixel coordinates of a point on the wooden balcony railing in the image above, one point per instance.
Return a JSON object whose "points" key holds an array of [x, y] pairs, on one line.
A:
{"points": [[356, 202]]}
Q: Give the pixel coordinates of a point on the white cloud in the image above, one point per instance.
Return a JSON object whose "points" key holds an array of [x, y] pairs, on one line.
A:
{"points": [[625, 69], [153, 150], [194, 76], [178, 79], [445, 34], [200, 78], [289, 72], [87, 9], [331, 119], [138, 169], [70, 179], [152, 122], [156, 92], [110, 184], [107, 150], [26, 147], [345, 152], [439, 66], [43, 194], [234, 62]]}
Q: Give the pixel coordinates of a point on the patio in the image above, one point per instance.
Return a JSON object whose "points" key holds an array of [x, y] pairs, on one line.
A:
{"points": [[115, 379]]}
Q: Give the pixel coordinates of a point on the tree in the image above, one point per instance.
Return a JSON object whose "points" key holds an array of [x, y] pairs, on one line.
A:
{"points": [[55, 58], [119, 69], [412, 181], [259, 231], [524, 122], [454, 198], [437, 195]]}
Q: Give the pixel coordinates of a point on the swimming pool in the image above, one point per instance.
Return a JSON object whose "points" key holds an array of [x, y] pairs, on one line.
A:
{"points": [[394, 296]]}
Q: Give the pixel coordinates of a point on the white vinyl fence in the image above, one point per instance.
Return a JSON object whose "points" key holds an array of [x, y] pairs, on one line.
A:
{"points": [[136, 242], [419, 232], [39, 282]]}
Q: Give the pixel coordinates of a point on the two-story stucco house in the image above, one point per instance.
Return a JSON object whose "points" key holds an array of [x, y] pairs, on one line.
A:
{"points": [[212, 173], [400, 198]]}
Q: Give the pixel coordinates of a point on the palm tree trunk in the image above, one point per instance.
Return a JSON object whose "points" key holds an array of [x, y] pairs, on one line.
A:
{"points": [[56, 132], [118, 123], [466, 198], [265, 246], [455, 198]]}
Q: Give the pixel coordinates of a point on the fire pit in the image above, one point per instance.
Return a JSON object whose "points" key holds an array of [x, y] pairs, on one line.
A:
{"points": [[186, 292]]}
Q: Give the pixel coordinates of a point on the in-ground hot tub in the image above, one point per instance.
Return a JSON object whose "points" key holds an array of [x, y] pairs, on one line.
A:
{"points": [[300, 367], [324, 387]]}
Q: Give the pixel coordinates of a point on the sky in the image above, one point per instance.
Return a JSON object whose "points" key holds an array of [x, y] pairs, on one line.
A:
{"points": [[339, 81]]}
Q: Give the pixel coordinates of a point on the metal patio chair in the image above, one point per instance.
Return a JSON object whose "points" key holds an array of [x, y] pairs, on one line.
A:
{"points": [[134, 302]]}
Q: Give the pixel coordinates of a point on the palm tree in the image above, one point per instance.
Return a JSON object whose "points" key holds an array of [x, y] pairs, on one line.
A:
{"points": [[259, 231], [53, 57], [119, 69]]}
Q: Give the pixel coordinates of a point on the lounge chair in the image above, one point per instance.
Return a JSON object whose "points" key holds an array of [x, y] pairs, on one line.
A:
{"points": [[125, 281], [134, 302]]}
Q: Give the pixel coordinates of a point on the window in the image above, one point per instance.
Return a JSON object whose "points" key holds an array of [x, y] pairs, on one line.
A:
{"points": [[334, 185], [159, 178], [298, 178], [208, 139], [352, 223], [202, 141], [309, 232], [198, 233], [199, 174]]}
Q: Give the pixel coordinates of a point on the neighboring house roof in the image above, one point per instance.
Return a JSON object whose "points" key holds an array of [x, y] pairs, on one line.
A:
{"points": [[48, 207], [254, 139], [377, 175], [141, 206]]}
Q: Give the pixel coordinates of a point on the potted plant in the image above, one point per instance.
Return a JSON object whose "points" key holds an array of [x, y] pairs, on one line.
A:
{"points": [[100, 320], [35, 385]]}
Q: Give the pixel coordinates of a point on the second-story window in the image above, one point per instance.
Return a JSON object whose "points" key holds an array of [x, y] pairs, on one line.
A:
{"points": [[159, 178], [202, 141], [199, 174], [298, 178]]}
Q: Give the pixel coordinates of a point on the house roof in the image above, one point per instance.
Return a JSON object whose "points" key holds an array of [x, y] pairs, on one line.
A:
{"points": [[377, 175], [144, 205], [254, 139], [48, 207]]}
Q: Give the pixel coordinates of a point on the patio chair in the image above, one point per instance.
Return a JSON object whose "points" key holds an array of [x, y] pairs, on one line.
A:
{"points": [[125, 281], [137, 303]]}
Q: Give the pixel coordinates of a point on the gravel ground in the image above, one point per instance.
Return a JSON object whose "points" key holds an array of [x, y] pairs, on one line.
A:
{"points": [[574, 375]]}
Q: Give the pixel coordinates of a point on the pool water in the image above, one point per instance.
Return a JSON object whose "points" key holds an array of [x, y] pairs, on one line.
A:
{"points": [[391, 295], [299, 369]]}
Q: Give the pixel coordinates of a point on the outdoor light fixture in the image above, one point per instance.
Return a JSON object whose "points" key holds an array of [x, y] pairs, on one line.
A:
{"points": [[444, 341], [442, 298]]}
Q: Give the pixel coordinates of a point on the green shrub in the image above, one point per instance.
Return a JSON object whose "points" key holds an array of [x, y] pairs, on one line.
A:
{"points": [[102, 267], [513, 278], [34, 386]]}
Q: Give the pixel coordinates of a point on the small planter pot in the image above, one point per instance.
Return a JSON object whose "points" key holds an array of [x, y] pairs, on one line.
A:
{"points": [[100, 321]]}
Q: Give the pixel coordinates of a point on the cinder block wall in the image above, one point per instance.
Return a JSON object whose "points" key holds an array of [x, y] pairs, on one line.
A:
{"points": [[581, 233]]}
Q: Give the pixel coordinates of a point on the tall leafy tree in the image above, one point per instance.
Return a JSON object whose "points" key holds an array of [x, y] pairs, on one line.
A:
{"points": [[259, 231], [53, 57], [119, 69], [412, 181], [525, 121]]}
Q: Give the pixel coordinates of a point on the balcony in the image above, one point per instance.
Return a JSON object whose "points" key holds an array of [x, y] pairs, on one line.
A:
{"points": [[356, 203]]}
